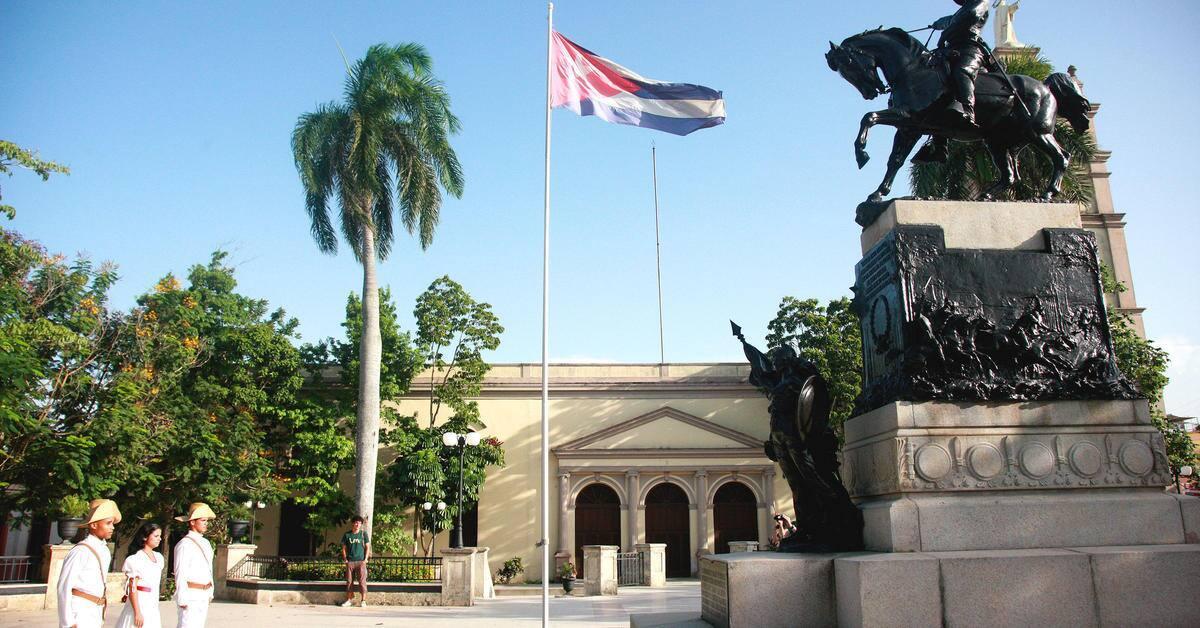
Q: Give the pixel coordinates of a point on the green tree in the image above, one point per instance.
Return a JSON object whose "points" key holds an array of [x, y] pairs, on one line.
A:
{"points": [[453, 331], [968, 168], [391, 131], [1144, 362], [828, 336], [12, 155], [332, 386], [221, 375], [56, 336]]}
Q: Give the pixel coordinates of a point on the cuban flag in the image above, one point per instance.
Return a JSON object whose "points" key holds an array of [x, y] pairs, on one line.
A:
{"points": [[591, 85]]}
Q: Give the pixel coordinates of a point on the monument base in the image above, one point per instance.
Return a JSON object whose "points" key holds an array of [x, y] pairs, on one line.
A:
{"points": [[1080, 586], [945, 476]]}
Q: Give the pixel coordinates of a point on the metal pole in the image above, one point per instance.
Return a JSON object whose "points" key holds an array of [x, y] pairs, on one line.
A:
{"points": [[662, 355], [462, 453], [545, 505]]}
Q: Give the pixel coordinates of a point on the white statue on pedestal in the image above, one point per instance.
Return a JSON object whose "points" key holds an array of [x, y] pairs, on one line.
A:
{"points": [[1006, 36]]}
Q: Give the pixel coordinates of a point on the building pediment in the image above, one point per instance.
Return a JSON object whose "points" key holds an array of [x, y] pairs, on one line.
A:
{"points": [[663, 432]]}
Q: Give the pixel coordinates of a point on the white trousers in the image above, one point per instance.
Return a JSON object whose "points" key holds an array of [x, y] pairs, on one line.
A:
{"points": [[194, 615], [87, 615]]}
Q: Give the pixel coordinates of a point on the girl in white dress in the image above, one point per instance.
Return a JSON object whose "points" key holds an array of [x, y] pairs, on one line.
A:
{"points": [[144, 568]]}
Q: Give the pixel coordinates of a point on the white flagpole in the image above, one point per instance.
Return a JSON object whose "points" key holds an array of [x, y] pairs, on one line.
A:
{"points": [[662, 354], [545, 537]]}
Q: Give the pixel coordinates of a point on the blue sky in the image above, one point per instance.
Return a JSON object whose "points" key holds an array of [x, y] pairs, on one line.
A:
{"points": [[176, 117]]}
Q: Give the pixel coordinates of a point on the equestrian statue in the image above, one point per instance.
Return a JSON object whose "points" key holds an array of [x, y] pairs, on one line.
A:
{"points": [[958, 91]]}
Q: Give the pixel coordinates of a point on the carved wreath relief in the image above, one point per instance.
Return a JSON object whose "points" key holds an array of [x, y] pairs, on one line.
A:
{"points": [[983, 462]]}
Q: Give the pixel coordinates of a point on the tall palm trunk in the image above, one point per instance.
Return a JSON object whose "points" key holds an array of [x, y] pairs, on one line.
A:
{"points": [[366, 440]]}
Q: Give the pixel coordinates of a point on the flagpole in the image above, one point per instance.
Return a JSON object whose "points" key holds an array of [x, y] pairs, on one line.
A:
{"points": [[545, 536], [662, 355]]}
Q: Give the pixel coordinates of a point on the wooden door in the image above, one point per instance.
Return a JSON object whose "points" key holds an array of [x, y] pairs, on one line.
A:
{"points": [[735, 515], [667, 521], [597, 520]]}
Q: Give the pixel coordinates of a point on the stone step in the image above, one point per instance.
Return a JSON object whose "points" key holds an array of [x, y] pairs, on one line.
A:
{"points": [[1078, 586]]}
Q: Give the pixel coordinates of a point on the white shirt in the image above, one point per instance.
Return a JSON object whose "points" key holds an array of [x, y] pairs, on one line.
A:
{"points": [[147, 570], [193, 563], [80, 571]]}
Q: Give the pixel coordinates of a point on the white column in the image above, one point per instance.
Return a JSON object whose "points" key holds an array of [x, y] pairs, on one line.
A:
{"points": [[701, 513], [769, 498], [564, 511], [633, 487]]}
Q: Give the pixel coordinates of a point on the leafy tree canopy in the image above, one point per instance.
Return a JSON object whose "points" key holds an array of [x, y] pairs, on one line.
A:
{"points": [[828, 336], [12, 155]]}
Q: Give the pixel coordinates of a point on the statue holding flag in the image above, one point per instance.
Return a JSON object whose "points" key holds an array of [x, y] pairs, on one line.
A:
{"points": [[806, 449]]}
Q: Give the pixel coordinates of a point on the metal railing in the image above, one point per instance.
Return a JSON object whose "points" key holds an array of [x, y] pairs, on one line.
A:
{"points": [[314, 568], [629, 569], [14, 569]]}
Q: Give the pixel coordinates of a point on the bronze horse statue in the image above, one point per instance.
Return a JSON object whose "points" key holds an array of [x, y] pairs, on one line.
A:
{"points": [[918, 106]]}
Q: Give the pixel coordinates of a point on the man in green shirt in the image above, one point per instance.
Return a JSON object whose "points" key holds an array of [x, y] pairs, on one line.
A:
{"points": [[356, 551]]}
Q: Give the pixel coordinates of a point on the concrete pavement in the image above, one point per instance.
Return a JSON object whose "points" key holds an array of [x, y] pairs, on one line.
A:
{"points": [[503, 612]]}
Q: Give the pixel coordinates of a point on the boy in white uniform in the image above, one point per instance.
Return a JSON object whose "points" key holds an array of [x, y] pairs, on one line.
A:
{"points": [[194, 568], [81, 584]]}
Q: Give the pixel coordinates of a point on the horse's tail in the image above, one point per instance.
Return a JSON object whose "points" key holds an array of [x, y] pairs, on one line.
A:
{"points": [[1072, 104]]}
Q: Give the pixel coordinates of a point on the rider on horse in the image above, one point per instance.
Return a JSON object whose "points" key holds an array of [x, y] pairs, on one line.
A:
{"points": [[962, 50]]}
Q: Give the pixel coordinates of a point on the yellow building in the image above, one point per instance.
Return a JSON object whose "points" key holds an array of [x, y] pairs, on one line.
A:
{"points": [[639, 453]]}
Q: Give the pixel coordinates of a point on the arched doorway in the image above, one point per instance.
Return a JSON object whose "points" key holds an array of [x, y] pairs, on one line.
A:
{"points": [[735, 515], [597, 520], [667, 522]]}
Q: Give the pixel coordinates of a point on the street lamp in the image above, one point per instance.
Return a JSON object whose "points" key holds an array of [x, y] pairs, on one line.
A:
{"points": [[462, 441]]}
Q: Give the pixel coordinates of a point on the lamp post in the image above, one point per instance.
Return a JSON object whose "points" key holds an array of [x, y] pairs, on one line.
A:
{"points": [[462, 441]]}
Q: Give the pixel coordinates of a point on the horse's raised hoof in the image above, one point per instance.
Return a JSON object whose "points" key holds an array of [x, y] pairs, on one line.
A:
{"points": [[862, 157], [869, 210]]}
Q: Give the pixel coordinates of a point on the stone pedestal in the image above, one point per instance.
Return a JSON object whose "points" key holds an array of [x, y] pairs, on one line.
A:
{"points": [[52, 560], [944, 476], [458, 577], [1006, 471], [654, 563], [227, 557], [600, 569], [737, 547], [1080, 586], [483, 586]]}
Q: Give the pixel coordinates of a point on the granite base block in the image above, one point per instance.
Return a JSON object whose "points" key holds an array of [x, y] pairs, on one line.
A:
{"points": [[1081, 586], [768, 590], [1146, 586], [1038, 587], [1043, 519], [887, 590], [667, 620]]}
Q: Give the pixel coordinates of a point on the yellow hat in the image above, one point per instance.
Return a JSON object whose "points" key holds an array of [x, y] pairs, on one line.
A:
{"points": [[198, 510], [101, 509]]}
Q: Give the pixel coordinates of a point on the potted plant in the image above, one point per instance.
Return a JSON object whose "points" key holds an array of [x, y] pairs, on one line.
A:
{"points": [[239, 522], [512, 567], [70, 511], [566, 573]]}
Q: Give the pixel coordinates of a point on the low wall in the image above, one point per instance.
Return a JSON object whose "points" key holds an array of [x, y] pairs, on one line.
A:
{"points": [[22, 597], [272, 592]]}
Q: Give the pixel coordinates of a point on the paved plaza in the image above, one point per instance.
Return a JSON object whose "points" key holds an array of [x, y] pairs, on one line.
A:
{"points": [[502, 612]]}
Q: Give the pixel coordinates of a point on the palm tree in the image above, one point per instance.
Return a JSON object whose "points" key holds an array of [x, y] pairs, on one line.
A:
{"points": [[968, 168], [385, 147]]}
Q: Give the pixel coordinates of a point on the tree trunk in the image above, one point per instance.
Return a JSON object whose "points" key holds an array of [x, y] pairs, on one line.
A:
{"points": [[366, 439]]}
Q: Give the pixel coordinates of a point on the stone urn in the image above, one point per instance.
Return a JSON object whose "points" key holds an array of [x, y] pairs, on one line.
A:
{"points": [[238, 529], [67, 528]]}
